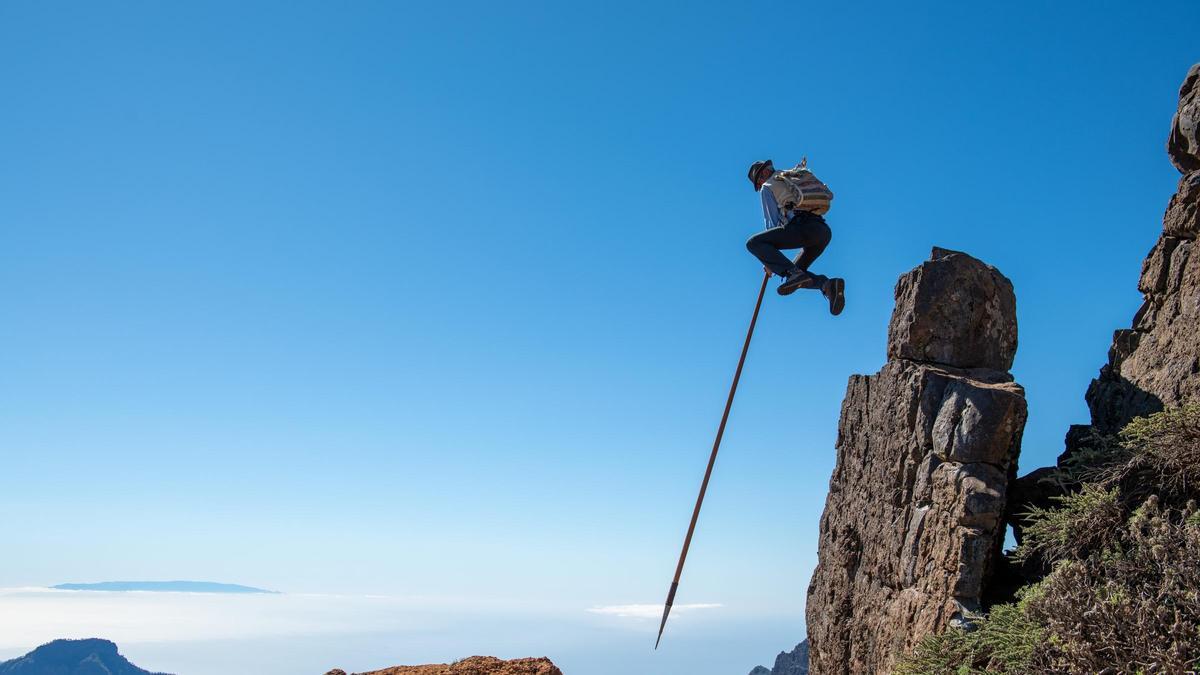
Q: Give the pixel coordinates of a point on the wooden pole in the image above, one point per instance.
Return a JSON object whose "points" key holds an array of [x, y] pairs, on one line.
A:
{"points": [[712, 458]]}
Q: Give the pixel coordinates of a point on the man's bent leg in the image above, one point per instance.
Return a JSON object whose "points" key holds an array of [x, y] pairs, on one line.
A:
{"points": [[766, 244], [814, 235]]}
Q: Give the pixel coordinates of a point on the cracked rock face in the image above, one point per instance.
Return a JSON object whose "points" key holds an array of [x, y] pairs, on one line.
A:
{"points": [[913, 522]]}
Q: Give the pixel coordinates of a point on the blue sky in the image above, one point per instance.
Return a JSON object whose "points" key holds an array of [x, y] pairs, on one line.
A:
{"points": [[444, 300]]}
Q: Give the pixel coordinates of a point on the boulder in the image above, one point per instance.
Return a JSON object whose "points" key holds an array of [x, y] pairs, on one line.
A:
{"points": [[1182, 218], [956, 311], [1183, 144]]}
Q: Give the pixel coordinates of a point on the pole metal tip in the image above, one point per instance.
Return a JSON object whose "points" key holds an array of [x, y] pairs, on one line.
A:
{"points": [[666, 611]]}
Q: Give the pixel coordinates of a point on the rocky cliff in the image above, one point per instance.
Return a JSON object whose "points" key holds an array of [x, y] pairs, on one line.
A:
{"points": [[475, 665], [926, 448], [1154, 364]]}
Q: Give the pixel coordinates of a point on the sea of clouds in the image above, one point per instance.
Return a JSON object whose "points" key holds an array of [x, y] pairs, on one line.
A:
{"points": [[287, 634]]}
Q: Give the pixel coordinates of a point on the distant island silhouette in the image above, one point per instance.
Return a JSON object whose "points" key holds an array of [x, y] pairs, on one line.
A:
{"points": [[163, 587]]}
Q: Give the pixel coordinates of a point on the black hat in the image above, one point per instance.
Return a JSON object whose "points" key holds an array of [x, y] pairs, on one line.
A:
{"points": [[754, 168]]}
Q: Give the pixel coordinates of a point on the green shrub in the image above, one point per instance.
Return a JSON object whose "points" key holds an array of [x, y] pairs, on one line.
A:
{"points": [[1136, 608], [1133, 608], [1164, 455], [1086, 521], [953, 652], [1004, 641], [1091, 461], [1123, 596]]}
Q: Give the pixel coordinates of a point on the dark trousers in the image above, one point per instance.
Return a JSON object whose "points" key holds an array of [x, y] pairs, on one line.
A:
{"points": [[805, 230]]}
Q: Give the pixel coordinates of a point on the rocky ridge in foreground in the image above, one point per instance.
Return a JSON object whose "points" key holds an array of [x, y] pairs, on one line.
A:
{"points": [[475, 665]]}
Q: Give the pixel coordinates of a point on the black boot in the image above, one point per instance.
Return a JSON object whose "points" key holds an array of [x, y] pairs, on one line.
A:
{"points": [[834, 291], [797, 279]]}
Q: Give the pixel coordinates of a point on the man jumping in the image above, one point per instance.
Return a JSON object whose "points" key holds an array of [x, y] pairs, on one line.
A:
{"points": [[793, 202]]}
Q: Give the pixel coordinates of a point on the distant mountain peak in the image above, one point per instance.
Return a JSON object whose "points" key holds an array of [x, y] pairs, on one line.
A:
{"points": [[794, 662], [91, 656]]}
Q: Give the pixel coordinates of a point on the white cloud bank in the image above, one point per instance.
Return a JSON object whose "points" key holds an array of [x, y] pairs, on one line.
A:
{"points": [[32, 616], [648, 611]]}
